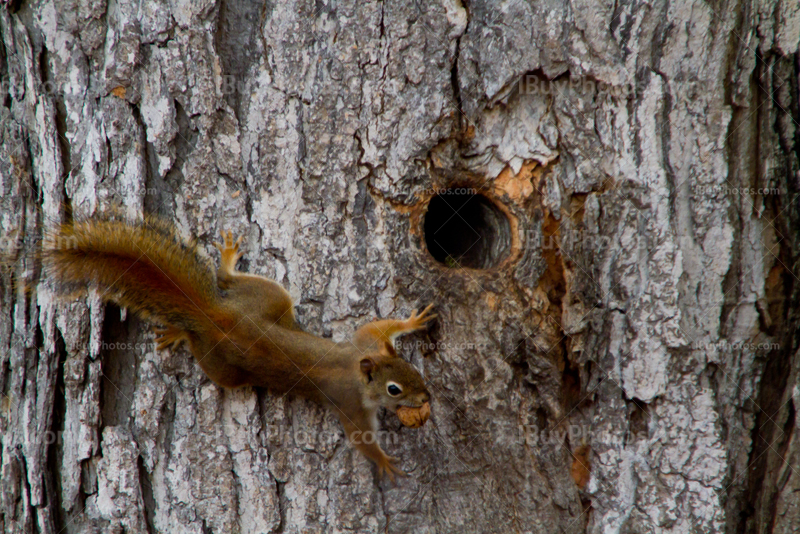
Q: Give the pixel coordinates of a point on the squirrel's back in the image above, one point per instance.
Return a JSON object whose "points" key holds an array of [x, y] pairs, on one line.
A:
{"points": [[144, 266]]}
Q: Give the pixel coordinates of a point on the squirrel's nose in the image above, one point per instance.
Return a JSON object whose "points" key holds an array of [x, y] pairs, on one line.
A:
{"points": [[426, 396]]}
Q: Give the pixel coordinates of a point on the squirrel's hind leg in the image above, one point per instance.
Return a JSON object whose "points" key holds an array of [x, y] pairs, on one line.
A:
{"points": [[229, 256], [252, 295]]}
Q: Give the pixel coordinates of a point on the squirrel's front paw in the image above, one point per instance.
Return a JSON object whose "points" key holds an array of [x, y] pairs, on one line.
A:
{"points": [[386, 465], [415, 322]]}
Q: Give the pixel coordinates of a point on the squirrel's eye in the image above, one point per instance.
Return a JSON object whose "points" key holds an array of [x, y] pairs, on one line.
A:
{"points": [[393, 389]]}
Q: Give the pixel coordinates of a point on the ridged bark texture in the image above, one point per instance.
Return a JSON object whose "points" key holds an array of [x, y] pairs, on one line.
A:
{"points": [[619, 354]]}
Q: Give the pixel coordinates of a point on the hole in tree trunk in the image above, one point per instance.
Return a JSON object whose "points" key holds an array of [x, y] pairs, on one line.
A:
{"points": [[466, 230]]}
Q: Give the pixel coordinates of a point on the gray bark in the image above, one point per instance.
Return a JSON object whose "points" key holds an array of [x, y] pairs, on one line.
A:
{"points": [[623, 360]]}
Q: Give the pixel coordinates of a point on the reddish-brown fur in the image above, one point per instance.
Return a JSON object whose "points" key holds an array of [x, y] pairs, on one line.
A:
{"points": [[240, 327]]}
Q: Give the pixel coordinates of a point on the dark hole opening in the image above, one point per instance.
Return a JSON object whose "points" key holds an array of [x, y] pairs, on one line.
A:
{"points": [[466, 230]]}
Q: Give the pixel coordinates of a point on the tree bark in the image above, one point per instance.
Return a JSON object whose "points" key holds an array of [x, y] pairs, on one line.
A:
{"points": [[616, 350]]}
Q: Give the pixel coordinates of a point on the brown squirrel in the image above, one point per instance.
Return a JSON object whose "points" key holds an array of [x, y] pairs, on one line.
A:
{"points": [[241, 327]]}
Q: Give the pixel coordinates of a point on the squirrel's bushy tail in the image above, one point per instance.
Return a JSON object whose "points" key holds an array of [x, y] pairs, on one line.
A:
{"points": [[144, 266]]}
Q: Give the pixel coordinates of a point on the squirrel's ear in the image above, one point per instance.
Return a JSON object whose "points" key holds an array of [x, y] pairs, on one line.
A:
{"points": [[367, 366]]}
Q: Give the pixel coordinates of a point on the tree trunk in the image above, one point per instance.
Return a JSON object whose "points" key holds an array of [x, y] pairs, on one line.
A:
{"points": [[601, 199]]}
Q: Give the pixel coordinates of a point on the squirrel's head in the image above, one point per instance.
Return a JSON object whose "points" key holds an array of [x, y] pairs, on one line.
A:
{"points": [[392, 382]]}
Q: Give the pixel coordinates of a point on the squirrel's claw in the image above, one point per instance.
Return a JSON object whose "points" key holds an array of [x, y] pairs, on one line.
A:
{"points": [[229, 249], [169, 337], [415, 322], [228, 242], [386, 466]]}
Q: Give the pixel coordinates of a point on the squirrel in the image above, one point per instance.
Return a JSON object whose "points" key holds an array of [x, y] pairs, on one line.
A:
{"points": [[241, 327]]}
